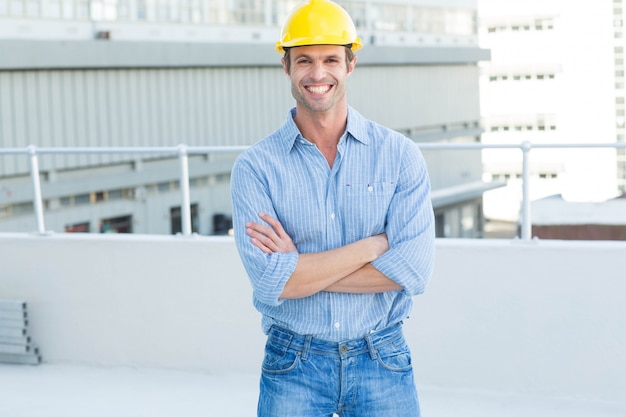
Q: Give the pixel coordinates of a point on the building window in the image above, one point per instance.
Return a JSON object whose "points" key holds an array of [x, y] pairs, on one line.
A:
{"points": [[82, 199], [122, 224], [358, 12], [468, 220], [249, 12], [164, 187], [77, 228], [115, 195], [176, 221], [222, 224], [22, 208], [440, 230]]}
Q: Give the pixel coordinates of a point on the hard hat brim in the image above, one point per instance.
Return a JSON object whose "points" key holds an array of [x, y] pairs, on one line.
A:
{"points": [[280, 46]]}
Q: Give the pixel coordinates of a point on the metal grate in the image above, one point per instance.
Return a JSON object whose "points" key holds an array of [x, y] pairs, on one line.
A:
{"points": [[15, 343]]}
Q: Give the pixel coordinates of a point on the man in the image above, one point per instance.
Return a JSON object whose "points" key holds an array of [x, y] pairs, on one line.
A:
{"points": [[334, 225]]}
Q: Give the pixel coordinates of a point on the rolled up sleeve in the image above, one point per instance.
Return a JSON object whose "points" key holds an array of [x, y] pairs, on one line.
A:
{"points": [[410, 227], [268, 274]]}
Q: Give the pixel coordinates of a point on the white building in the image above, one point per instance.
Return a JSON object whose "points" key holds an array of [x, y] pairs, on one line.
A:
{"points": [[144, 73], [556, 76]]}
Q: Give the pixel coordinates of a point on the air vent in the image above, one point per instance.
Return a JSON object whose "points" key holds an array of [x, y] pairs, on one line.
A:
{"points": [[15, 342]]}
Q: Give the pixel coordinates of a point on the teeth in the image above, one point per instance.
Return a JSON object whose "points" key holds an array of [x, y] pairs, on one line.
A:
{"points": [[319, 90]]}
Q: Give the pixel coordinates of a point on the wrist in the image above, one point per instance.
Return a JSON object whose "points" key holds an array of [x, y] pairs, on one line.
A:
{"points": [[379, 245]]}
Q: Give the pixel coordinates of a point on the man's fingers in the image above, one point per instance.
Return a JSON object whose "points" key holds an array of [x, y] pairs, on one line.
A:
{"points": [[260, 245], [272, 238], [261, 236], [264, 238], [259, 228], [276, 225], [260, 240], [268, 219]]}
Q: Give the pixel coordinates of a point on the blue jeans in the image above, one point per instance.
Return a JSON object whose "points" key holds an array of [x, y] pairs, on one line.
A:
{"points": [[307, 377]]}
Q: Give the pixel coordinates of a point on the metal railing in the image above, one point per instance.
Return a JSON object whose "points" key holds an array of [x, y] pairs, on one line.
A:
{"points": [[525, 147], [183, 152]]}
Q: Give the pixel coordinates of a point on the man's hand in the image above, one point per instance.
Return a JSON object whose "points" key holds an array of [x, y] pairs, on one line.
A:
{"points": [[270, 239], [345, 269]]}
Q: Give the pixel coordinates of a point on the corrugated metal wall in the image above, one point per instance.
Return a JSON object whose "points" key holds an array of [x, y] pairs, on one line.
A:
{"points": [[412, 97], [203, 106]]}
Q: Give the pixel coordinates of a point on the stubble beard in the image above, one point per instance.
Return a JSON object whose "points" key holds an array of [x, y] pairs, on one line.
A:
{"points": [[311, 105]]}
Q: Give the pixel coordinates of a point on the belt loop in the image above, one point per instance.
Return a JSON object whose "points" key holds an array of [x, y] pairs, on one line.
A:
{"points": [[370, 347], [307, 347]]}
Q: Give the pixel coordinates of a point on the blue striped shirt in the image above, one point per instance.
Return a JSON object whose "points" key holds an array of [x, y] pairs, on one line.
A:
{"points": [[378, 183]]}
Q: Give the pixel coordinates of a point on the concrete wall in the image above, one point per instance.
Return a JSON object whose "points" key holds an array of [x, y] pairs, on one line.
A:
{"points": [[540, 317]]}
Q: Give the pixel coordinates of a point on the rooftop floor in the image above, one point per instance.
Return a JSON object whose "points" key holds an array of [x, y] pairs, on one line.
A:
{"points": [[76, 391]]}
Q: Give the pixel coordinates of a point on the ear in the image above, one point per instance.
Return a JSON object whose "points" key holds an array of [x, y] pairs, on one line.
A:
{"points": [[282, 61], [352, 65]]}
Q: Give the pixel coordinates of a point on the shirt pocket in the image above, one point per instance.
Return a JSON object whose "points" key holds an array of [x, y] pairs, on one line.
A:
{"points": [[366, 206], [370, 189]]}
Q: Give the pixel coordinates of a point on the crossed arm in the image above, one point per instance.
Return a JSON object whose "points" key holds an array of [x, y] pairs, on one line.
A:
{"points": [[344, 269]]}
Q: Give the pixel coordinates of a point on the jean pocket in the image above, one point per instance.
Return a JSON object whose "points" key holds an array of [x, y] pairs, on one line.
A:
{"points": [[279, 359], [395, 356]]}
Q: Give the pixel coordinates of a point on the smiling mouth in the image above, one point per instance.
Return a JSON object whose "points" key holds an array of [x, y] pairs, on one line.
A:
{"points": [[318, 89]]}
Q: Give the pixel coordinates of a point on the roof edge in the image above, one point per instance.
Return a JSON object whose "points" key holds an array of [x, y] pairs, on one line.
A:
{"points": [[62, 54]]}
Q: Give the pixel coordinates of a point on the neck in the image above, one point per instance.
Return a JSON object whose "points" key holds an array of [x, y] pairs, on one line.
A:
{"points": [[322, 128]]}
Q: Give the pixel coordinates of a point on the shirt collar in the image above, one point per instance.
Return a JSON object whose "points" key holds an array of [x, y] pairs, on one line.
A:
{"points": [[356, 127]]}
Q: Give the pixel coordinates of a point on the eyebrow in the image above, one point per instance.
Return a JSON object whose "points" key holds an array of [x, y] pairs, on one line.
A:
{"points": [[296, 56]]}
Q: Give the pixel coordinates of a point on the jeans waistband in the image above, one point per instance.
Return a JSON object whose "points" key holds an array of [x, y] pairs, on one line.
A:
{"points": [[306, 344]]}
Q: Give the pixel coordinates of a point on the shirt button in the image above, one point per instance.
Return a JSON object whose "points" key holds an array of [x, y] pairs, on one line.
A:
{"points": [[370, 188], [332, 216], [337, 325]]}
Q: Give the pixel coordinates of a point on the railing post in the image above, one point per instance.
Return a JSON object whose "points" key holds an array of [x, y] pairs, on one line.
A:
{"points": [[185, 208], [37, 199], [526, 225]]}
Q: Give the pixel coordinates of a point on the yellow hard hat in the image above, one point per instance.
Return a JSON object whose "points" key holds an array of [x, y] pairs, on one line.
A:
{"points": [[318, 22]]}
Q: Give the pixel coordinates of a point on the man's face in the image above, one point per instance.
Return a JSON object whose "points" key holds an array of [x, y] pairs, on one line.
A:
{"points": [[318, 74]]}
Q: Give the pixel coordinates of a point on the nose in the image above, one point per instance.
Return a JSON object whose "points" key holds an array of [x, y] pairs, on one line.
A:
{"points": [[318, 71]]}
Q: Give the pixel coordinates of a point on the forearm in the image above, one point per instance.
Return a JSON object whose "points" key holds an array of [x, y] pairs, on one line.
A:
{"points": [[365, 280], [319, 271]]}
